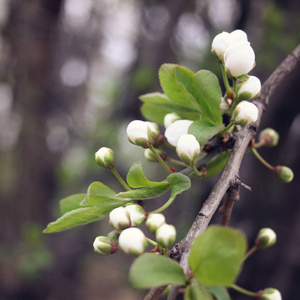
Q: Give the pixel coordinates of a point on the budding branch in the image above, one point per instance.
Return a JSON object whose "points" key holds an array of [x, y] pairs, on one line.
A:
{"points": [[229, 178]]}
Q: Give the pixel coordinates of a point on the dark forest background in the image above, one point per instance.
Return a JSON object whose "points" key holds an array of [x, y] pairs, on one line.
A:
{"points": [[71, 72]]}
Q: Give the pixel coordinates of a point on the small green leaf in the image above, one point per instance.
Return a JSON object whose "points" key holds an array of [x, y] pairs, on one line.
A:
{"points": [[152, 270], [219, 292], [204, 131], [137, 179], [157, 105], [197, 291], [216, 255], [70, 203], [176, 89], [217, 164], [144, 193], [77, 217], [98, 194], [179, 183]]}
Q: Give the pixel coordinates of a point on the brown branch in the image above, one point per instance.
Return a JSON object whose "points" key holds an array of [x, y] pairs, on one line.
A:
{"points": [[231, 171]]}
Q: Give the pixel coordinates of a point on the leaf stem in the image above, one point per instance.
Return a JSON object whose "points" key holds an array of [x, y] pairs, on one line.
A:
{"points": [[121, 180], [259, 157], [243, 291], [163, 207], [153, 243], [177, 162], [160, 159], [225, 80], [196, 171], [223, 132], [250, 252]]}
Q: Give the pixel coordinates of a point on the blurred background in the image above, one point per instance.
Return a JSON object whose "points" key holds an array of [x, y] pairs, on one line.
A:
{"points": [[71, 72]]}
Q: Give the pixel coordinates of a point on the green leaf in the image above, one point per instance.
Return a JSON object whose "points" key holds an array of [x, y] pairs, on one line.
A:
{"points": [[98, 194], [152, 270], [219, 292], [204, 131], [196, 291], [176, 89], [157, 105], [208, 95], [216, 255], [145, 193], [137, 179], [70, 203], [179, 183], [217, 164], [77, 217]]}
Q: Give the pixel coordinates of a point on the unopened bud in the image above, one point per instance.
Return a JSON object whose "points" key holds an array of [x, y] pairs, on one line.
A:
{"points": [[285, 174], [119, 218], [105, 158], [188, 149], [176, 130], [249, 89], [154, 130], [265, 238], [170, 118], [132, 241], [154, 221], [139, 133], [225, 105], [166, 235], [245, 113], [104, 245], [137, 214], [269, 294], [269, 137]]}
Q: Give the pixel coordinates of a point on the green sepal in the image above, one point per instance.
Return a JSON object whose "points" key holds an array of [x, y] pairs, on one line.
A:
{"points": [[196, 291], [152, 270], [243, 77], [137, 179], [204, 130], [216, 256]]}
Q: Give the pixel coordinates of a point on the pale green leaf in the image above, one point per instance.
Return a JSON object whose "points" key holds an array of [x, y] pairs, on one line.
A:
{"points": [[197, 291], [152, 270], [217, 164], [216, 255], [219, 292], [70, 203]]}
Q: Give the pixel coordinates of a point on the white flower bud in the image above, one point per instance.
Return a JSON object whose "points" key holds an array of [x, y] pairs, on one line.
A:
{"points": [[225, 105], [154, 221], [154, 129], [249, 89], [269, 136], [239, 59], [137, 214], [245, 113], [105, 158], [265, 238], [104, 245], [270, 294], [132, 241], [119, 218], [224, 40], [139, 133], [165, 235], [188, 149], [176, 130], [170, 118]]}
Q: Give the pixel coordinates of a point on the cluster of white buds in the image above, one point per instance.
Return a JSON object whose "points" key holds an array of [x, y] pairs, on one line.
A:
{"points": [[269, 294], [265, 238]]}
